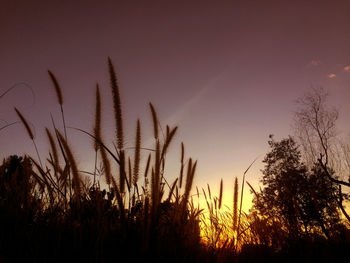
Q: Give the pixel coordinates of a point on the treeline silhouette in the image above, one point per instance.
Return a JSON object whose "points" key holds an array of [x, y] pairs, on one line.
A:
{"points": [[51, 212]]}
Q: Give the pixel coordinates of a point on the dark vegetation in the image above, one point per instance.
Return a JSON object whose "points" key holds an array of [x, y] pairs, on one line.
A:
{"points": [[50, 213]]}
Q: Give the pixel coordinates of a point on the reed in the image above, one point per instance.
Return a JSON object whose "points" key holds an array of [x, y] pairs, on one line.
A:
{"points": [[59, 97], [29, 132], [191, 169], [76, 180], [155, 121], [220, 193], [57, 88], [182, 164], [118, 116], [26, 125], [97, 127], [98, 116], [235, 204], [169, 137], [137, 154]]}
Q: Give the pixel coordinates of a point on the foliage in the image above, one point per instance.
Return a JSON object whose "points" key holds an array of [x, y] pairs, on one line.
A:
{"points": [[303, 201]]}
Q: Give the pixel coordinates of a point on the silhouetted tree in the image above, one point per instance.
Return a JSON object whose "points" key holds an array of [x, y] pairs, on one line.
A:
{"points": [[17, 185], [301, 200], [315, 124]]}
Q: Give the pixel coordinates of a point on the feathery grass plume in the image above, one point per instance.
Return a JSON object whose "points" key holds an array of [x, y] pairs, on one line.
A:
{"points": [[119, 126], [97, 127], [57, 87], [29, 131], [182, 163], [117, 105], [235, 204], [129, 169], [25, 123], [191, 168], [98, 113], [168, 139], [76, 181], [137, 154], [59, 99], [220, 193], [155, 121]]}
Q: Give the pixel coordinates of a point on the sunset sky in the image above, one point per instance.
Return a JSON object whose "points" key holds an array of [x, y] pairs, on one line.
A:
{"points": [[226, 72]]}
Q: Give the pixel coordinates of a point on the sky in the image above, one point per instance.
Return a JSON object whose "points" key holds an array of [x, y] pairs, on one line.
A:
{"points": [[227, 73]]}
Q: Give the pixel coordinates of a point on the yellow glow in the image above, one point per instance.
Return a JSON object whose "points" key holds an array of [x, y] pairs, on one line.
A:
{"points": [[217, 224]]}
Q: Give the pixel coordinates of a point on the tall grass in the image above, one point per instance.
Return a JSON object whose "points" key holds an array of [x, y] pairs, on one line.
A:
{"points": [[59, 96], [54, 212], [136, 214], [29, 131]]}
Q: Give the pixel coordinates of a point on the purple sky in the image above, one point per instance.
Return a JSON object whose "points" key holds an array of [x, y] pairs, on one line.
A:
{"points": [[226, 72]]}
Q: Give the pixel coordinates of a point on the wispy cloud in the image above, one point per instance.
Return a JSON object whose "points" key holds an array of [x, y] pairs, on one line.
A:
{"points": [[347, 68], [188, 105], [332, 76], [315, 63]]}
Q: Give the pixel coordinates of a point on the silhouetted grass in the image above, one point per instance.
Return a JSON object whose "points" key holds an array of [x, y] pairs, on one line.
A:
{"points": [[51, 213]]}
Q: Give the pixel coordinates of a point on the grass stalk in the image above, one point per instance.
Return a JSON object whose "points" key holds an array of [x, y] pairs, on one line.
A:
{"points": [[137, 154], [29, 132], [59, 96], [220, 193], [76, 180], [235, 204], [240, 207], [118, 116], [97, 127]]}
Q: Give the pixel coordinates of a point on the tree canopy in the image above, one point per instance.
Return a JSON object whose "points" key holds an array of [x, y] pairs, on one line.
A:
{"points": [[303, 200]]}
